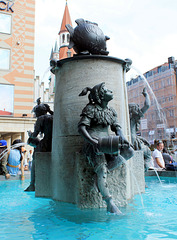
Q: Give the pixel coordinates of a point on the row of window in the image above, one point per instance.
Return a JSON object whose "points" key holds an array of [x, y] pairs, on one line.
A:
{"points": [[64, 38], [162, 100], [5, 28], [155, 86], [155, 116], [6, 91], [150, 73], [163, 83], [157, 70]]}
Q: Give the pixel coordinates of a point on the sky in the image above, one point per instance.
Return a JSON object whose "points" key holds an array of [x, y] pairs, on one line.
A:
{"points": [[142, 30]]}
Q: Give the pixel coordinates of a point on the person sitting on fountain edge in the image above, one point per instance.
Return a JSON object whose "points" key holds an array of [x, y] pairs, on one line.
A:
{"points": [[43, 125], [95, 120], [157, 156], [170, 164]]}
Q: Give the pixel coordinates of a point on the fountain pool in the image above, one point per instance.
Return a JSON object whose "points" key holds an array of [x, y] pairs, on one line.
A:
{"points": [[22, 216]]}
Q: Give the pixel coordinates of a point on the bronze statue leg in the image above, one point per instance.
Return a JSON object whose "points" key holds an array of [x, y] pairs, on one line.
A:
{"points": [[101, 172], [147, 157]]}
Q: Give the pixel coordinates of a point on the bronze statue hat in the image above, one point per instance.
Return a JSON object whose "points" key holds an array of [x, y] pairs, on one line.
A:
{"points": [[94, 95]]}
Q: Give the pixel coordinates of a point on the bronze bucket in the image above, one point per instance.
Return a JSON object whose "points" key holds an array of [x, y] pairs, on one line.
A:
{"points": [[109, 145]]}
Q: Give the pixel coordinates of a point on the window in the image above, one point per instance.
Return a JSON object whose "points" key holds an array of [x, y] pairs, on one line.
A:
{"points": [[164, 68], [154, 71], [156, 85], [159, 69], [150, 73], [171, 113], [169, 81], [135, 80], [63, 38], [68, 38], [170, 98], [6, 100], [4, 58], [163, 99], [163, 83], [5, 26]]}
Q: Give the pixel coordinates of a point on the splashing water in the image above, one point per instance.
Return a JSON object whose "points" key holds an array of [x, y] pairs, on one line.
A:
{"points": [[126, 163], [158, 176], [160, 111], [45, 73], [11, 147]]}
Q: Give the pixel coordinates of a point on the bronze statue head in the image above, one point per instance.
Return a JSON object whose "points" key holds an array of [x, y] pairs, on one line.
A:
{"points": [[133, 109], [97, 93], [40, 110]]}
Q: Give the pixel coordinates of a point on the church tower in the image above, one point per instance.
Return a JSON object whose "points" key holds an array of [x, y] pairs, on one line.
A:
{"points": [[64, 36], [61, 52]]}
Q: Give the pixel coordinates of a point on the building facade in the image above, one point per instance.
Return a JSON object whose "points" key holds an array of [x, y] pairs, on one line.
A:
{"points": [[17, 29], [160, 121]]}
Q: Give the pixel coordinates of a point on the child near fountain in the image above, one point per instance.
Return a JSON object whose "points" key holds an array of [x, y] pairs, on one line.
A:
{"points": [[15, 159]]}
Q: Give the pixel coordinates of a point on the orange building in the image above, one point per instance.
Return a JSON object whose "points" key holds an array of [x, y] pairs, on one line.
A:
{"points": [[17, 29], [64, 36], [160, 121], [17, 53]]}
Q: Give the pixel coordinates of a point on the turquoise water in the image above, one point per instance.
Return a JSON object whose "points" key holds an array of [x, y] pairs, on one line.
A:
{"points": [[22, 216]]}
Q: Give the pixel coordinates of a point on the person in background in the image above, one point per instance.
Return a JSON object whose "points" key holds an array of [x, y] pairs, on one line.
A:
{"points": [[25, 162], [170, 164], [15, 159], [159, 162], [3, 159], [30, 158]]}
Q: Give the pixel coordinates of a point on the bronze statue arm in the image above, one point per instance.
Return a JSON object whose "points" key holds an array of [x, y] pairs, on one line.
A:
{"points": [[119, 133], [147, 101], [34, 134], [144, 140], [84, 133], [38, 127], [50, 111]]}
